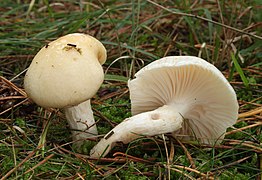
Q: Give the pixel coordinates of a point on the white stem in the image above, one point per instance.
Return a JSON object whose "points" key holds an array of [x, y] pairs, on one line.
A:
{"points": [[160, 121], [81, 121]]}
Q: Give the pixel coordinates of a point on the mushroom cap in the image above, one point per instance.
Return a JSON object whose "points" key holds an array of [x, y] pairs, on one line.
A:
{"points": [[66, 72], [194, 88]]}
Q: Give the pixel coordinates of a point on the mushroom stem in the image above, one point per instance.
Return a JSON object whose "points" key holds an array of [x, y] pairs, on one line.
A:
{"points": [[160, 121], [81, 121]]}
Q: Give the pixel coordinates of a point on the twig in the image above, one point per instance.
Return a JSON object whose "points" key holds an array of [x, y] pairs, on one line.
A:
{"points": [[97, 113], [18, 74], [221, 17], [231, 164], [11, 97], [16, 56], [13, 106], [187, 154], [113, 94], [250, 84], [248, 119], [167, 157], [126, 156], [189, 169], [245, 127], [250, 113], [228, 142], [247, 144], [172, 151], [80, 176], [40, 163], [205, 19], [244, 103], [13, 86], [182, 172], [193, 170]]}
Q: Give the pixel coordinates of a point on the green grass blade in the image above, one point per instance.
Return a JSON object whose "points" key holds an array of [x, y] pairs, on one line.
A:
{"points": [[239, 70], [210, 25], [113, 77]]}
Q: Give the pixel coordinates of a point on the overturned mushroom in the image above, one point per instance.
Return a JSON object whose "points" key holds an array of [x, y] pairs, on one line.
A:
{"points": [[182, 95], [65, 74]]}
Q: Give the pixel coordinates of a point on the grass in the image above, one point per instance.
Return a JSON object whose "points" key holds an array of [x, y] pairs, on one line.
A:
{"points": [[135, 33]]}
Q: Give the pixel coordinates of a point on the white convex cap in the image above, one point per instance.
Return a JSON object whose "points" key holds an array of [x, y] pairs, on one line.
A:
{"points": [[66, 72], [194, 88]]}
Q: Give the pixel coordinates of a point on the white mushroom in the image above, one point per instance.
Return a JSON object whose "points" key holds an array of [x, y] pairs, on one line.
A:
{"points": [[65, 74], [182, 95]]}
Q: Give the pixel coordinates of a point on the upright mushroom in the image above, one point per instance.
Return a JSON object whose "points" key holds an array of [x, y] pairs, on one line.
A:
{"points": [[182, 95], [65, 74]]}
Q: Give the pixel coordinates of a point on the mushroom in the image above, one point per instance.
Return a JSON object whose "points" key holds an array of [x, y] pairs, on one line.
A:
{"points": [[182, 95], [65, 74]]}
